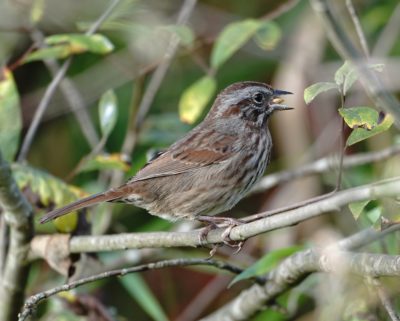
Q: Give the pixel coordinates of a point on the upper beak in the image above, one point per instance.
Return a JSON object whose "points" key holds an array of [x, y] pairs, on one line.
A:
{"points": [[277, 101]]}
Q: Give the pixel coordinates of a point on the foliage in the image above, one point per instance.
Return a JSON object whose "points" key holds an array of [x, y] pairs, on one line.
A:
{"points": [[266, 263], [65, 45], [365, 121]]}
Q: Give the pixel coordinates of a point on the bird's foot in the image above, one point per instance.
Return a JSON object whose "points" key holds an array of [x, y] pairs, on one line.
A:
{"points": [[215, 222], [228, 241]]}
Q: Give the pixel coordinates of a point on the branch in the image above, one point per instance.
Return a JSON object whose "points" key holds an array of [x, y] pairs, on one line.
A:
{"points": [[71, 95], [98, 243], [50, 90], [357, 26], [352, 242], [18, 216], [32, 302], [157, 78], [294, 269], [323, 165], [345, 47], [385, 300]]}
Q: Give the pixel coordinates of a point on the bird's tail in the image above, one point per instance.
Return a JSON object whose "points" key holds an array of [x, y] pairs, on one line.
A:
{"points": [[82, 203]]}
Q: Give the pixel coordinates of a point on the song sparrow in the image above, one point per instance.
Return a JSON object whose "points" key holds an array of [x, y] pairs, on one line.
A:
{"points": [[211, 168]]}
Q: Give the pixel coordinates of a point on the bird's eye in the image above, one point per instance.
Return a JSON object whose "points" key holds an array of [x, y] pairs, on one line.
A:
{"points": [[258, 98]]}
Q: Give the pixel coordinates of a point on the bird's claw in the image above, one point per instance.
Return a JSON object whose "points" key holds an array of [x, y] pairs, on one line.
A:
{"points": [[224, 221], [228, 241]]}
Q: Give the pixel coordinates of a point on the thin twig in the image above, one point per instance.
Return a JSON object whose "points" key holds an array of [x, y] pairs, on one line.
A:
{"points": [[323, 165], [71, 94], [32, 302], [345, 47], [152, 88], [385, 300], [4, 234], [296, 268], [281, 9], [157, 77], [342, 148], [50, 90], [84, 160], [357, 26]]}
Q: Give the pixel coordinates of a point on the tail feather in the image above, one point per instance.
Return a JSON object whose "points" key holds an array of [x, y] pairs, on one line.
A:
{"points": [[82, 203]]}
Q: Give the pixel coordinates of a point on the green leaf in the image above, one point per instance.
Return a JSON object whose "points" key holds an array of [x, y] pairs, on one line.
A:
{"points": [[234, 36], [355, 117], [347, 74], [374, 217], [10, 120], [268, 35], [78, 43], [266, 263], [314, 90], [342, 72], [58, 52], [108, 112], [139, 290], [107, 161], [195, 98], [65, 45], [50, 192], [357, 208], [360, 134]]}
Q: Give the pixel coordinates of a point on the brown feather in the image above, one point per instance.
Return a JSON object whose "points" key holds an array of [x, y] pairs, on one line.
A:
{"points": [[107, 196], [184, 159]]}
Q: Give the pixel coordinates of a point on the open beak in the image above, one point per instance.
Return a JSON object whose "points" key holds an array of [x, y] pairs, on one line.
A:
{"points": [[276, 102]]}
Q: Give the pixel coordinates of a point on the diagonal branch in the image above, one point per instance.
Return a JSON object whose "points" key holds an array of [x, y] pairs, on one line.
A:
{"points": [[297, 267], [156, 79], [71, 95], [385, 300], [98, 243], [355, 241], [51, 89], [32, 302], [324, 165]]}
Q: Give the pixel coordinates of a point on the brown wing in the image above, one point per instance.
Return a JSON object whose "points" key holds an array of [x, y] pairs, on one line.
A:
{"points": [[189, 154]]}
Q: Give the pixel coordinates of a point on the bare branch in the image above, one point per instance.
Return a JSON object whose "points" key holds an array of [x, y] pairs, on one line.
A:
{"points": [[385, 300], [357, 25], [32, 302], [324, 165], [18, 216], [157, 78], [294, 269], [96, 243], [71, 95], [50, 90]]}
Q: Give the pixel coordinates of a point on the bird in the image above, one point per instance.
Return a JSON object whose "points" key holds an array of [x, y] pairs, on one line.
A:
{"points": [[211, 168]]}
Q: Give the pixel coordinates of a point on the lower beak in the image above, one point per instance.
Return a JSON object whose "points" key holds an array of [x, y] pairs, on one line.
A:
{"points": [[276, 102]]}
